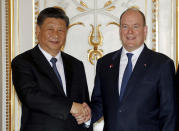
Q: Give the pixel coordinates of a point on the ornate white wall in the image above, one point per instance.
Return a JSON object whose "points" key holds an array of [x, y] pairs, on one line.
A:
{"points": [[160, 16]]}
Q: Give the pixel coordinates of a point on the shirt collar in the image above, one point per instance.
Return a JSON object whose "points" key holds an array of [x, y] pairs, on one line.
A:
{"points": [[135, 53], [48, 56]]}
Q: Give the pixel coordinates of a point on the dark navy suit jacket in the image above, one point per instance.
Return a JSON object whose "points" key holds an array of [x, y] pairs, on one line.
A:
{"points": [[45, 107], [177, 96], [148, 103]]}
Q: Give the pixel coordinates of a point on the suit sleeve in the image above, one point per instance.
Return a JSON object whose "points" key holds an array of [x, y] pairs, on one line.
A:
{"points": [[167, 97], [33, 97], [85, 95], [96, 99], [85, 86], [177, 96]]}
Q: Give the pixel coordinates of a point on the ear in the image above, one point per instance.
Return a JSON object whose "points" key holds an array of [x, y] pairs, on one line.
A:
{"points": [[145, 31], [37, 31], [120, 32]]}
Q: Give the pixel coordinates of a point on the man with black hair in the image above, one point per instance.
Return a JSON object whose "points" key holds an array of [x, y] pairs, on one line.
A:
{"points": [[51, 84]]}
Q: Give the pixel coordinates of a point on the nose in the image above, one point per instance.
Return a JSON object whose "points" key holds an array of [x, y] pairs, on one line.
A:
{"points": [[55, 34], [130, 30]]}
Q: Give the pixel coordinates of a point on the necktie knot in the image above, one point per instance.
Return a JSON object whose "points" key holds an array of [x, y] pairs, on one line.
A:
{"points": [[129, 56], [53, 60]]}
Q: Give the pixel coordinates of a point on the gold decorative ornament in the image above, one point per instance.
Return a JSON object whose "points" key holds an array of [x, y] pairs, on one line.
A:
{"points": [[108, 6], [111, 8], [77, 23], [177, 30], [113, 23], [107, 3], [137, 7], [155, 7], [80, 9], [95, 53], [83, 4]]}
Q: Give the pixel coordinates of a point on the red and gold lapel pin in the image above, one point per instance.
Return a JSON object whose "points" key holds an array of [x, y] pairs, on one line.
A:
{"points": [[111, 66]]}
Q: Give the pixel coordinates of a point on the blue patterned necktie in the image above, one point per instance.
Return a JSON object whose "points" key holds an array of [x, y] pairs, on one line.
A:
{"points": [[54, 60], [126, 75]]}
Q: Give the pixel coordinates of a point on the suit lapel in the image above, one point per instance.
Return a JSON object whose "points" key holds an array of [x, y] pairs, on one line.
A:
{"points": [[67, 71], [44, 66], [138, 73], [114, 75]]}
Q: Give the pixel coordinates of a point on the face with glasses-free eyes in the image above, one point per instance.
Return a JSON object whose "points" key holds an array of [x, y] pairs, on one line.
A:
{"points": [[132, 30], [52, 35]]}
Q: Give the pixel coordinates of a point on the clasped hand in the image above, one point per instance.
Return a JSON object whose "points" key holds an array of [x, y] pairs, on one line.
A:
{"points": [[81, 112]]}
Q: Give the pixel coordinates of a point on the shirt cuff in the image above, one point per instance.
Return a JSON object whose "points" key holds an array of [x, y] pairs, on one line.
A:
{"points": [[87, 124]]}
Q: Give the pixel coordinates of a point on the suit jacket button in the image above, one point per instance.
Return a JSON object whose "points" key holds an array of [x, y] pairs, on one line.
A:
{"points": [[120, 111]]}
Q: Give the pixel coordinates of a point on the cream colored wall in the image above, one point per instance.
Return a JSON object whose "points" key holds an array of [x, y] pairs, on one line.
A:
{"points": [[166, 28], [23, 24], [3, 64], [0, 67], [77, 40]]}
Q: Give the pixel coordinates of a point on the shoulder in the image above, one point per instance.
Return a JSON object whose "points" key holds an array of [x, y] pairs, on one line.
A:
{"points": [[70, 58], [111, 55], [158, 57], [25, 56], [159, 61]]}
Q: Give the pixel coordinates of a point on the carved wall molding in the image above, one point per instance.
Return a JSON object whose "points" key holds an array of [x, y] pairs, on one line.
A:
{"points": [[91, 23]]}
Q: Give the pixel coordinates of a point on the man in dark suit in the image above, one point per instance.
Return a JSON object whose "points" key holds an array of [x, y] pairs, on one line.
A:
{"points": [[50, 83], [134, 86]]}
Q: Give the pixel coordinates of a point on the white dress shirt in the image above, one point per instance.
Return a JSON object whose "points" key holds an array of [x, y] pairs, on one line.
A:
{"points": [[124, 61], [60, 69], [59, 65]]}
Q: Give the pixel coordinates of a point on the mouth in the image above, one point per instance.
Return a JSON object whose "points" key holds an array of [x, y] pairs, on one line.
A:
{"points": [[131, 37], [54, 41]]}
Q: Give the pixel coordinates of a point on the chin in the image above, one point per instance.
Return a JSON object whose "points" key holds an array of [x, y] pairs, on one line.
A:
{"points": [[130, 45]]}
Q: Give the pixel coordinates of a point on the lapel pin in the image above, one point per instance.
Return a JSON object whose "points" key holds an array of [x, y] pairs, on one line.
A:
{"points": [[145, 65], [111, 65]]}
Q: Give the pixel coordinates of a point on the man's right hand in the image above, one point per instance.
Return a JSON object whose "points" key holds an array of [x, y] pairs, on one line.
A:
{"points": [[81, 112]]}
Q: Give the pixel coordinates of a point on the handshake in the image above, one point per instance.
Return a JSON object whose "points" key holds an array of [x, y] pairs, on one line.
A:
{"points": [[81, 112]]}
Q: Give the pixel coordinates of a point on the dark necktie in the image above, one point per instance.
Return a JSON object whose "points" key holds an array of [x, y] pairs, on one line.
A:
{"points": [[126, 75], [54, 60]]}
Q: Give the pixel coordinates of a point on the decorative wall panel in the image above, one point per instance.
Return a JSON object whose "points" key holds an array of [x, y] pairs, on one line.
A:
{"points": [[93, 33]]}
